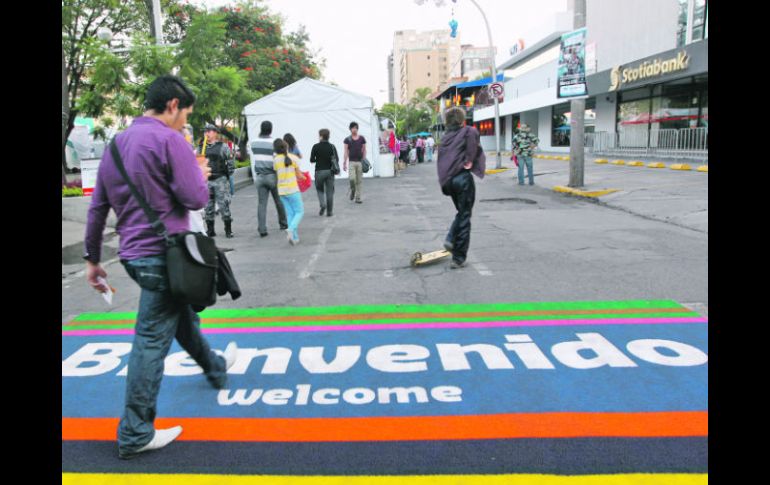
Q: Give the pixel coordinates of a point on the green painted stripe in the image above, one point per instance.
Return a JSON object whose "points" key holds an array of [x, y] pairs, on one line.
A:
{"points": [[354, 309], [403, 321]]}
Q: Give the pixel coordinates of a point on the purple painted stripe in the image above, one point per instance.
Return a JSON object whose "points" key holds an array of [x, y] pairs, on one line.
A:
{"points": [[401, 326]]}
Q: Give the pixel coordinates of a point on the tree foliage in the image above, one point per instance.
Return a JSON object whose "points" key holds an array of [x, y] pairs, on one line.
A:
{"points": [[230, 56]]}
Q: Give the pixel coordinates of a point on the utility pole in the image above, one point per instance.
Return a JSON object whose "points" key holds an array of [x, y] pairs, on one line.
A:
{"points": [[577, 118], [157, 23], [498, 159]]}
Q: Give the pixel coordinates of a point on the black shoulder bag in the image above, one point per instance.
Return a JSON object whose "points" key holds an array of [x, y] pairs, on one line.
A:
{"points": [[191, 258], [335, 161]]}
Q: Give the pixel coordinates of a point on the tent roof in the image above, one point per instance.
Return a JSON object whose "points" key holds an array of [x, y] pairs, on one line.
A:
{"points": [[308, 95]]}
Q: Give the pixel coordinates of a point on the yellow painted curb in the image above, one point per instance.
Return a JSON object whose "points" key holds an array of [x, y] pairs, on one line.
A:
{"points": [[657, 165], [618, 162], [495, 170], [680, 166], [564, 158], [601, 160], [583, 193], [703, 168], [635, 164]]}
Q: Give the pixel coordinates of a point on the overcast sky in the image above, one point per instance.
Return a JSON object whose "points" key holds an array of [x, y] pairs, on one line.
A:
{"points": [[356, 37]]}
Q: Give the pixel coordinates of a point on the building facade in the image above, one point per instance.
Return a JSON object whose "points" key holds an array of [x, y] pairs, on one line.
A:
{"points": [[423, 59], [647, 76]]}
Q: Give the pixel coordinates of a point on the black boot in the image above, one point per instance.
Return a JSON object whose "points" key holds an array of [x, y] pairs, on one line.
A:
{"points": [[210, 229], [228, 229]]}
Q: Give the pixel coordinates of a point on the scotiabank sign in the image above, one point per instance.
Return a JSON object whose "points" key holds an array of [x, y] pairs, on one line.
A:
{"points": [[648, 69]]}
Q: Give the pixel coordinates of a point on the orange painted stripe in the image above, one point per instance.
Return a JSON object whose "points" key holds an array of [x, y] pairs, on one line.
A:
{"points": [[382, 316], [412, 428]]}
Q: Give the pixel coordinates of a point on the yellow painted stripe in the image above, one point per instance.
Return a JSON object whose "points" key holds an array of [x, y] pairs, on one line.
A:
{"points": [[636, 164], [601, 160], [618, 162], [517, 479], [657, 165], [583, 193], [680, 166], [703, 168]]}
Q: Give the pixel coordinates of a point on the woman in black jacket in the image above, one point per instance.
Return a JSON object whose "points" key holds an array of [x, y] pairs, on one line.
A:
{"points": [[321, 156]]}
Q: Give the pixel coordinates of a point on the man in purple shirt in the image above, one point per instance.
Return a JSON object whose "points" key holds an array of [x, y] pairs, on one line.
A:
{"points": [[160, 163]]}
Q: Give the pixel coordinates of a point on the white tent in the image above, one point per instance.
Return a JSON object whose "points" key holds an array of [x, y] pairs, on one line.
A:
{"points": [[306, 106]]}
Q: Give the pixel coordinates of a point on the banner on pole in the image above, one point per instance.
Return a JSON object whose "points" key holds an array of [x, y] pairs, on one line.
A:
{"points": [[571, 74]]}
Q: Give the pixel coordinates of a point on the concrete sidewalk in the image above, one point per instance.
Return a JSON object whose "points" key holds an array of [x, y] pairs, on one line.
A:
{"points": [[672, 196]]}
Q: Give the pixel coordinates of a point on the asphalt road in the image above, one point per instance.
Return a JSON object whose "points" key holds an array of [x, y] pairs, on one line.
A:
{"points": [[649, 241]]}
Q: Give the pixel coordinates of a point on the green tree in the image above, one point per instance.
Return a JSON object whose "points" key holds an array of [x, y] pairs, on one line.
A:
{"points": [[254, 43], [81, 19], [396, 112]]}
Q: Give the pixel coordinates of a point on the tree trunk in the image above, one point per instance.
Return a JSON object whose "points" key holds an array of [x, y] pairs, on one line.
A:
{"points": [[65, 112]]}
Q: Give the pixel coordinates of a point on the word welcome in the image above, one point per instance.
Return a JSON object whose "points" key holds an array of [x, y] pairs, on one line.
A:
{"points": [[590, 351], [326, 396]]}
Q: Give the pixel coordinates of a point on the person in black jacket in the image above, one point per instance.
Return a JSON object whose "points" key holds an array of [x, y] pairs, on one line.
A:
{"points": [[220, 161], [321, 156]]}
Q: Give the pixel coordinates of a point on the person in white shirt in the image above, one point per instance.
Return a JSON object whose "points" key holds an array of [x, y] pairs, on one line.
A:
{"points": [[429, 144]]}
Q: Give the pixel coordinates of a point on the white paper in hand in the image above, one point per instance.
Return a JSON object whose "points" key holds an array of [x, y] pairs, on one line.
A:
{"points": [[107, 295]]}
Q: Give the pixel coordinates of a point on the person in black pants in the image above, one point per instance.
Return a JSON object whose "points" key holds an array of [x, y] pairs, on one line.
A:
{"points": [[460, 156], [405, 150], [321, 156]]}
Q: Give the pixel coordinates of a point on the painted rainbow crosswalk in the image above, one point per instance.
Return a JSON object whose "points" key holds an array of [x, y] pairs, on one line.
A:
{"points": [[545, 393]]}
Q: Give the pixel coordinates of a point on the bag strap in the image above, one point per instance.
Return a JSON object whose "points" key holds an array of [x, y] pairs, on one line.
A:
{"points": [[155, 221]]}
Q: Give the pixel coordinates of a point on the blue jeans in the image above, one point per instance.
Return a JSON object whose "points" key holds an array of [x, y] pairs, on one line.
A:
{"points": [[159, 320], [528, 161], [294, 211]]}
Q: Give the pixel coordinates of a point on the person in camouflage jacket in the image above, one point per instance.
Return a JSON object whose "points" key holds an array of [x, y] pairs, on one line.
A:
{"points": [[524, 146], [221, 162]]}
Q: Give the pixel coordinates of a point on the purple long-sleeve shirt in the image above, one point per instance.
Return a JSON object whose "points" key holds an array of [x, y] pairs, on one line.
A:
{"points": [[159, 162]]}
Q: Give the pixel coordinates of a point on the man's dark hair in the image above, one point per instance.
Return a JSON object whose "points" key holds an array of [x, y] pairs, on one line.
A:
{"points": [[266, 128], [324, 134], [164, 89], [352, 125]]}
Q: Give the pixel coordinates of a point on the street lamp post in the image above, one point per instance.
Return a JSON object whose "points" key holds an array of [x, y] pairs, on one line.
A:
{"points": [[498, 159]]}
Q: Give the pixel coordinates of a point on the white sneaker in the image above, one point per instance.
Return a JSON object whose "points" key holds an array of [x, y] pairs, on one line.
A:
{"points": [[231, 353], [290, 236], [162, 438]]}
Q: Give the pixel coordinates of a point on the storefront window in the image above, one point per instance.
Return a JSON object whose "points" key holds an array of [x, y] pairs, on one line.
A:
{"points": [[643, 113], [702, 87], [677, 107], [487, 127], [560, 122]]}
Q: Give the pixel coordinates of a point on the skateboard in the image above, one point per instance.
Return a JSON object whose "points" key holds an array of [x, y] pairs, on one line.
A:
{"points": [[418, 258]]}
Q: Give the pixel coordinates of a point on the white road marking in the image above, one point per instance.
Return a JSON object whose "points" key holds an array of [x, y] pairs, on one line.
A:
{"points": [[322, 240], [482, 269], [388, 273]]}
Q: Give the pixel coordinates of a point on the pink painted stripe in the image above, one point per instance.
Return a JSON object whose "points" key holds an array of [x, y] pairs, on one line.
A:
{"points": [[390, 326]]}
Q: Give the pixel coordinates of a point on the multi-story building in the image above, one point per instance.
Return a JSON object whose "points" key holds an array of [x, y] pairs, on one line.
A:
{"points": [[647, 79], [476, 61], [422, 60]]}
